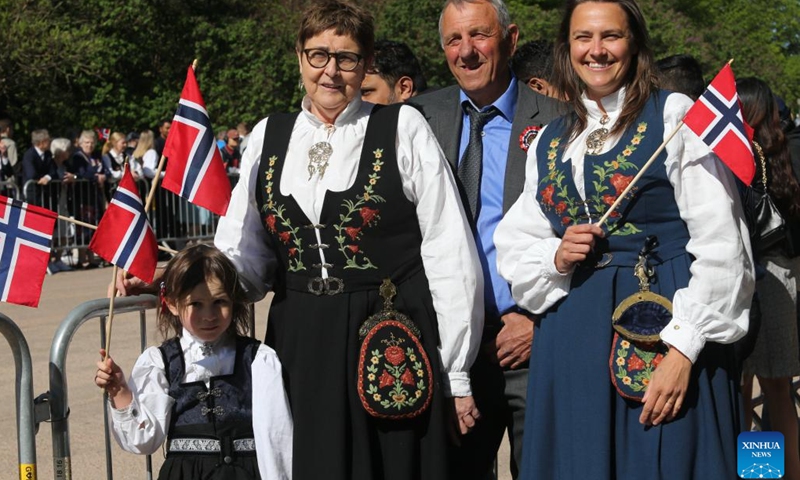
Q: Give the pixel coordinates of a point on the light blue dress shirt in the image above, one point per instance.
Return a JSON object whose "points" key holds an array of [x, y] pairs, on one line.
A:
{"points": [[496, 133]]}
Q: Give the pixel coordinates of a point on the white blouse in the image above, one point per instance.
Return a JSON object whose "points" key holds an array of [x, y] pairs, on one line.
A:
{"points": [[715, 305], [448, 250], [142, 426]]}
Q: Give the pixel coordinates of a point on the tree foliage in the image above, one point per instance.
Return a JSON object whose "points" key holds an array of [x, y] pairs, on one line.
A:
{"points": [[104, 63]]}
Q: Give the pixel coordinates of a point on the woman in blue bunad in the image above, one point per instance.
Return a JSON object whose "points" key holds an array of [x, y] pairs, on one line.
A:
{"points": [[331, 202], [614, 402]]}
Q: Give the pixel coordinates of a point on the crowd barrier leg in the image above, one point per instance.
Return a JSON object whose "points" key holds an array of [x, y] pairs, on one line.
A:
{"points": [[26, 436], [59, 405]]}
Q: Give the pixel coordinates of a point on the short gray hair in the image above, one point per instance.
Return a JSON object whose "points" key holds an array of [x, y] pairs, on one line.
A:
{"points": [[503, 17], [88, 135], [59, 145], [39, 136]]}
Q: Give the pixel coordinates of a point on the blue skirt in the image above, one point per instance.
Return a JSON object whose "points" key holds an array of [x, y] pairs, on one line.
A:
{"points": [[578, 427]]}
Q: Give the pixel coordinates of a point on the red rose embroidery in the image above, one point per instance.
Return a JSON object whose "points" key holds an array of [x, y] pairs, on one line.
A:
{"points": [[284, 236], [407, 378], [620, 181], [368, 215], [635, 363], [560, 208], [353, 232], [292, 252], [386, 380], [565, 220], [547, 195], [609, 199], [353, 248], [614, 214], [271, 222], [394, 355]]}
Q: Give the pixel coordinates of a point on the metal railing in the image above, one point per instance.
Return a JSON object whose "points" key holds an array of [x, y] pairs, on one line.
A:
{"points": [[58, 399], [59, 404], [26, 433]]}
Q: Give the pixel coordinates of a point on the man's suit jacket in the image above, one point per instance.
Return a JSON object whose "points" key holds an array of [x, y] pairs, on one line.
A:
{"points": [[443, 111], [35, 167]]}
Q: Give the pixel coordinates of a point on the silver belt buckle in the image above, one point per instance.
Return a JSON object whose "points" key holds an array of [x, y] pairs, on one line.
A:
{"points": [[326, 286]]}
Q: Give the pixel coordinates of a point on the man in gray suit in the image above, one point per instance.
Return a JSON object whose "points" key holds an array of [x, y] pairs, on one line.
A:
{"points": [[484, 126]]}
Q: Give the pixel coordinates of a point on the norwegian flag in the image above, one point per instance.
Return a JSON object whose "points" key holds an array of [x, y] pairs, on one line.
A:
{"points": [[25, 234], [195, 170], [716, 118], [124, 237], [102, 133]]}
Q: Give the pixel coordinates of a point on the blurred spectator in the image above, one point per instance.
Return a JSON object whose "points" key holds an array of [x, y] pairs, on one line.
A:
{"points": [[114, 158], [62, 200], [131, 141], [532, 64], [231, 156], [395, 75], [146, 154], [163, 131], [681, 73], [6, 170], [6, 132], [244, 135], [37, 160], [90, 193], [222, 135]]}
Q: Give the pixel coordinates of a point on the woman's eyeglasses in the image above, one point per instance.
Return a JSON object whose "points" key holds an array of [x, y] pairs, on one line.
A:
{"points": [[345, 61]]}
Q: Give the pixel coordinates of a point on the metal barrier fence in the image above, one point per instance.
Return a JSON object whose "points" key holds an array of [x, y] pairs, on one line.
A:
{"points": [[173, 218], [58, 401], [26, 433]]}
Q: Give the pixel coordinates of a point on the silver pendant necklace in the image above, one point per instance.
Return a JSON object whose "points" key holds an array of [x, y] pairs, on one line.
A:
{"points": [[597, 138], [318, 157]]}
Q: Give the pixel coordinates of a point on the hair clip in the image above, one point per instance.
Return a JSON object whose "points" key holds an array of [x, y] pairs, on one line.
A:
{"points": [[162, 291]]}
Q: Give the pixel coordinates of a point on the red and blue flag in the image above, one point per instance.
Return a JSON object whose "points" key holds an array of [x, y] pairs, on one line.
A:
{"points": [[716, 117], [25, 235], [124, 237], [195, 170]]}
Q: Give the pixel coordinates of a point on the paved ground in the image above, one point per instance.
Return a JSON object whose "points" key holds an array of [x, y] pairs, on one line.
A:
{"points": [[63, 292]]}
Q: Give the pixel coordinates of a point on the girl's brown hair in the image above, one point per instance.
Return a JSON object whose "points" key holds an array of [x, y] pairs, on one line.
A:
{"points": [[186, 270], [640, 82]]}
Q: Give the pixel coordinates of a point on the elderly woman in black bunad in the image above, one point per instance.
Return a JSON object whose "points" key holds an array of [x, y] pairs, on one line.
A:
{"points": [[332, 201]]}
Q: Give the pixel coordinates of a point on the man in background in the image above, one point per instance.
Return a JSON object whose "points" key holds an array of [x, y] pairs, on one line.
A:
{"points": [[532, 64], [395, 75], [681, 73], [484, 126]]}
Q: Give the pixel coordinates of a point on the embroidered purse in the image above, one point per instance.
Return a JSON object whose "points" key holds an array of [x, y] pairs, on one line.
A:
{"points": [[394, 372], [637, 348]]}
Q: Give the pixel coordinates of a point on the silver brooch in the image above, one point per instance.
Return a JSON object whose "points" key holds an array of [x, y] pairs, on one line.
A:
{"points": [[597, 138], [318, 157]]}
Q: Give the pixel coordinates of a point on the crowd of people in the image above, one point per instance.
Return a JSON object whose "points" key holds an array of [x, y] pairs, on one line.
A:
{"points": [[75, 176], [608, 327]]}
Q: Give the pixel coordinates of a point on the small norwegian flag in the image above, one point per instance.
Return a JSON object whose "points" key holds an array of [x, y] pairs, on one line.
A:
{"points": [[102, 133], [124, 237], [716, 117], [25, 235], [195, 170]]}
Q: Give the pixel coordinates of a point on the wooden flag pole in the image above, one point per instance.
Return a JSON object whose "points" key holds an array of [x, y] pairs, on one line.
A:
{"points": [[94, 227], [638, 176], [111, 310], [641, 172], [160, 168]]}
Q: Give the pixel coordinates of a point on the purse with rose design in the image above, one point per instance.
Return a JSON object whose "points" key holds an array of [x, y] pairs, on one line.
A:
{"points": [[394, 372], [637, 348]]}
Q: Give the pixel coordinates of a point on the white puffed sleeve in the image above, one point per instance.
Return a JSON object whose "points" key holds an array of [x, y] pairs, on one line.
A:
{"points": [[272, 418]]}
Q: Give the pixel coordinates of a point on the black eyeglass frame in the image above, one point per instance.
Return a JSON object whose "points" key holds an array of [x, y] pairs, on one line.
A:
{"points": [[336, 55]]}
